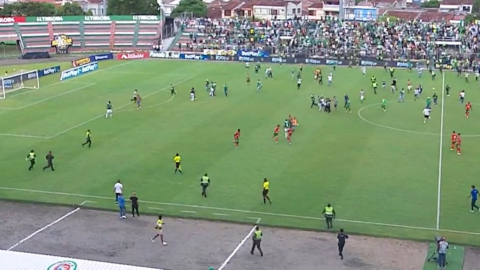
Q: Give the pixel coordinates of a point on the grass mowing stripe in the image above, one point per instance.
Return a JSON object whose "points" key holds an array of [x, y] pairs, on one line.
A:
{"points": [[240, 211], [440, 155]]}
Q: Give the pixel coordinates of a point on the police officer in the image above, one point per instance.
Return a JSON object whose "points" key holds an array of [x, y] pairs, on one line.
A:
{"points": [[204, 183], [31, 157], [329, 214], [257, 239]]}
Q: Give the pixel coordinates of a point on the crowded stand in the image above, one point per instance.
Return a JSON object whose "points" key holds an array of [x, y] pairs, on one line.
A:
{"points": [[400, 39]]}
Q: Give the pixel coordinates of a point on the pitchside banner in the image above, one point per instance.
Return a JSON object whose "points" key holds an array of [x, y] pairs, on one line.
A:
{"points": [[78, 71], [92, 58], [48, 71], [365, 61]]}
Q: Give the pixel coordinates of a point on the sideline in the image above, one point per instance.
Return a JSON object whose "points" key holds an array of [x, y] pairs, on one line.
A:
{"points": [[241, 211], [440, 155]]}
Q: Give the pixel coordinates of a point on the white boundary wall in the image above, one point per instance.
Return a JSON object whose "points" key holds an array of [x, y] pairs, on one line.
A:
{"points": [[12, 260]]}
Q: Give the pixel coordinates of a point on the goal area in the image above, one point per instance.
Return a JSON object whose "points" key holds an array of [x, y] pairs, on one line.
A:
{"points": [[24, 79]]}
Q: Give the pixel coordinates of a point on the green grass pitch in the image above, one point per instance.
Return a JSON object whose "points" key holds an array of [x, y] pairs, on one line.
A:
{"points": [[379, 169]]}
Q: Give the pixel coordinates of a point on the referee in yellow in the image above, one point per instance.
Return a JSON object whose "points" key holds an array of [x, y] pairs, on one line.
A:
{"points": [[329, 214], [178, 167], [266, 188], [257, 239]]}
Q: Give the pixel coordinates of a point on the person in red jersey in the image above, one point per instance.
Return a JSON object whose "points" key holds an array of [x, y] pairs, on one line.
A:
{"points": [[289, 136], [459, 144], [275, 133], [454, 140], [236, 138], [468, 108]]}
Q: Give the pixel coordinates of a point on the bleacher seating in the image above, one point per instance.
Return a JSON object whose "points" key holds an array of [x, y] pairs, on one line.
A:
{"points": [[97, 35], [148, 32], [35, 36], [125, 35], [7, 32]]}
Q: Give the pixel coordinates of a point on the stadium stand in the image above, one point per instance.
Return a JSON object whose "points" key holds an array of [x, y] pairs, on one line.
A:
{"points": [[8, 32], [417, 34], [146, 32], [36, 36], [69, 29], [97, 35]]}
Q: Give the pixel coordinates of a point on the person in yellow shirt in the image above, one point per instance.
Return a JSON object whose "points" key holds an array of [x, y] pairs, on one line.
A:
{"points": [[88, 139], [329, 214], [257, 239], [177, 159], [266, 188], [159, 230]]}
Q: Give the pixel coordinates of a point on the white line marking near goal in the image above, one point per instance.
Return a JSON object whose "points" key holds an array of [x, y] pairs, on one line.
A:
{"points": [[234, 252], [255, 218], [44, 228], [192, 212], [23, 136], [239, 211], [440, 155], [85, 202], [219, 214], [118, 108], [49, 98]]}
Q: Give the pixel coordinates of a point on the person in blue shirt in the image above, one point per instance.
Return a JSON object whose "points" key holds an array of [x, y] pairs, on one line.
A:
{"points": [[474, 196], [346, 100], [121, 206]]}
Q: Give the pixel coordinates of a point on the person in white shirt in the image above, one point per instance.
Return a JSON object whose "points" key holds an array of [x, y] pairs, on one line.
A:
{"points": [[426, 115], [362, 96], [364, 71], [462, 96], [330, 79], [118, 188]]}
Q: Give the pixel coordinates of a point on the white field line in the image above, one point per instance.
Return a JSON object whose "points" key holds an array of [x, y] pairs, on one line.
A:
{"points": [[70, 80], [440, 154], [119, 108], [23, 136], [28, 91], [192, 212], [49, 98], [44, 228], [237, 248], [219, 214], [238, 211]]}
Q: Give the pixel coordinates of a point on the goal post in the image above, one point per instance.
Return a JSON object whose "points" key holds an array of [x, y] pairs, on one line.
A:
{"points": [[24, 79]]}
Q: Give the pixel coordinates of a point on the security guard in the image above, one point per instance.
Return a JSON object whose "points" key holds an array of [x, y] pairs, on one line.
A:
{"points": [[31, 157], [204, 183], [257, 238], [329, 214]]}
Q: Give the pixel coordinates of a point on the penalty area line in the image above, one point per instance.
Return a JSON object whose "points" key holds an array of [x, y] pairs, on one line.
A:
{"points": [[118, 108], [240, 211]]}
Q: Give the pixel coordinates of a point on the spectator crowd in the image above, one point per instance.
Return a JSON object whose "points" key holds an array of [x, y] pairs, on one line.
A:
{"points": [[333, 38]]}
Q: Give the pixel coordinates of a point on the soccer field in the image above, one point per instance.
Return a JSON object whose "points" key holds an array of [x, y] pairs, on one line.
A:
{"points": [[380, 170]]}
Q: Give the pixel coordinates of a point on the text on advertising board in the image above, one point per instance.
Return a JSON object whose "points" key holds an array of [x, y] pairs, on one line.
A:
{"points": [[132, 56]]}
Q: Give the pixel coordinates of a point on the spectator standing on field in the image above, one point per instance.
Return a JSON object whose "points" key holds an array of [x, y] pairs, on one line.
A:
{"points": [[118, 188], [121, 206], [49, 159], [341, 242], [442, 253], [134, 201]]}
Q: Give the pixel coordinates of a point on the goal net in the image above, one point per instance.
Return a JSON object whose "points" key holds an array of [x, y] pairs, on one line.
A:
{"points": [[25, 79]]}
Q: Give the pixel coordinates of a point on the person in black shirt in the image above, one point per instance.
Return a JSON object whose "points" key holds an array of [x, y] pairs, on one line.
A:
{"points": [[49, 159], [134, 201], [341, 242]]}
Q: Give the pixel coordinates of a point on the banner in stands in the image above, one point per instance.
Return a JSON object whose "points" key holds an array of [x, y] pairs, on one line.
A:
{"points": [[171, 55], [254, 53], [92, 58], [219, 52], [92, 18], [132, 56], [62, 43], [78, 71], [13, 19], [48, 71]]}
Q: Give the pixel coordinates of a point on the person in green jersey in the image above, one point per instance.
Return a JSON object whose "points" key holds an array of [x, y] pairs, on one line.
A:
{"points": [[225, 90], [392, 72], [259, 85], [347, 106], [429, 102], [384, 104]]}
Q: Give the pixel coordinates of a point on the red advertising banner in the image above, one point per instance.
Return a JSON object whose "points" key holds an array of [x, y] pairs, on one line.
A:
{"points": [[15, 19], [132, 56]]}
